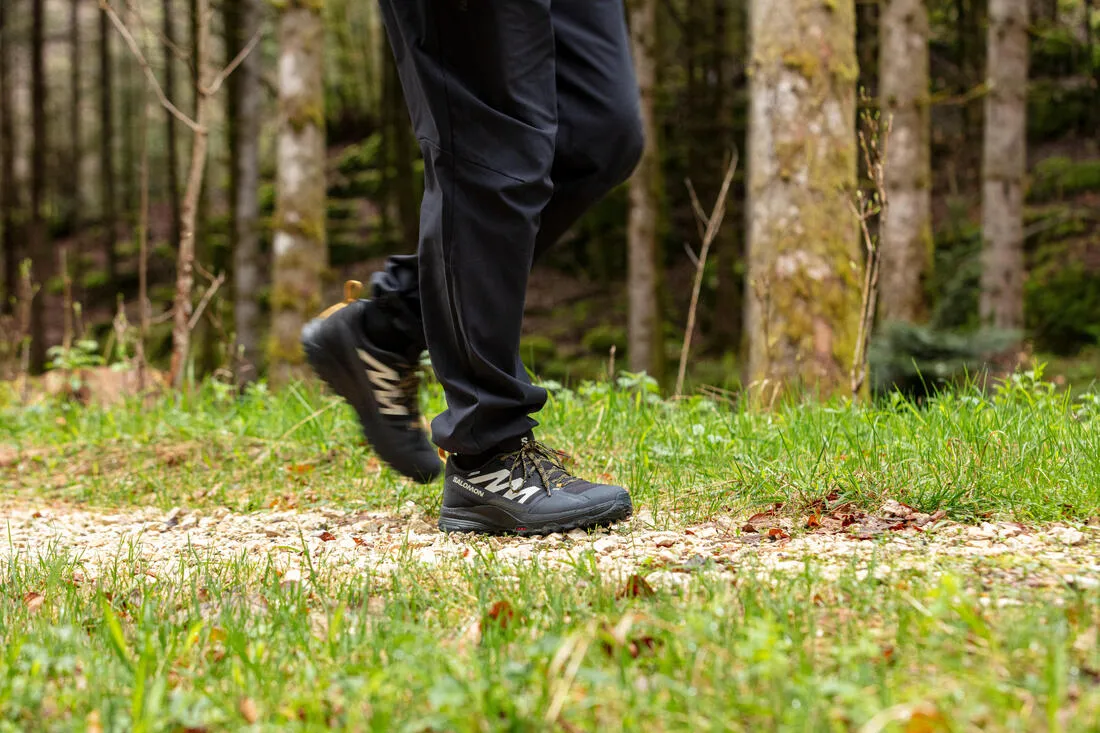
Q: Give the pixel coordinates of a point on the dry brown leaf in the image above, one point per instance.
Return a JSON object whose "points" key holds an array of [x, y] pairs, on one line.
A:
{"points": [[299, 468], [775, 534], [33, 601], [327, 536], [814, 522], [501, 613], [248, 710], [359, 541], [637, 587]]}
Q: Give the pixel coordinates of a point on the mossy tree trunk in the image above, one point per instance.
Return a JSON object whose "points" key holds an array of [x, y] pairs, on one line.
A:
{"points": [[300, 254], [907, 234], [644, 342], [1004, 166], [804, 274]]}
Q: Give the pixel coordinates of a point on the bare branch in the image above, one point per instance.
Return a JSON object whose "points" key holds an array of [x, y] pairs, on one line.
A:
{"points": [[178, 51], [237, 61], [714, 223], [206, 297], [701, 220], [144, 63]]}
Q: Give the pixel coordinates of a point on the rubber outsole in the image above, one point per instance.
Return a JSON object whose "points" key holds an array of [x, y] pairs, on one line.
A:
{"points": [[332, 369], [467, 521]]}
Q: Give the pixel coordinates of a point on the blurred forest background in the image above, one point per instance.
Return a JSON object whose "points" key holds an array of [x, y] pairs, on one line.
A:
{"points": [[230, 163]]}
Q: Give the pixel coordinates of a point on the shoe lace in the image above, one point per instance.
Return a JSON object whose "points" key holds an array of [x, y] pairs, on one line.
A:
{"points": [[548, 463]]}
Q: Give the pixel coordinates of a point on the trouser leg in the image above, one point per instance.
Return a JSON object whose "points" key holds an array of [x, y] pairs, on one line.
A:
{"points": [[597, 144], [479, 81]]}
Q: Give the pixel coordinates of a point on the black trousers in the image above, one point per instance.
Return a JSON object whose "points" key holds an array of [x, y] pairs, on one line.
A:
{"points": [[527, 114]]}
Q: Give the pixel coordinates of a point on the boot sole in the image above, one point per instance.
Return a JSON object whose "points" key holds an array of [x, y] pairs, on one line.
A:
{"points": [[351, 386], [466, 521]]}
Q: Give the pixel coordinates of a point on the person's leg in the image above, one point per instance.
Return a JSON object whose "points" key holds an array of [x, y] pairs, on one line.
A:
{"points": [[479, 79], [600, 139]]}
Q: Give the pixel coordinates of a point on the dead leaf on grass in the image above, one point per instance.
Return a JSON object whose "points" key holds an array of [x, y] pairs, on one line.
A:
{"points": [[327, 536], [775, 534], [248, 710], [637, 587], [33, 601], [501, 612], [359, 541]]}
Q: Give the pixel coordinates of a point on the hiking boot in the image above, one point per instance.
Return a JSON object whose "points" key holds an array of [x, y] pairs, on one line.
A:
{"points": [[381, 382], [526, 491]]}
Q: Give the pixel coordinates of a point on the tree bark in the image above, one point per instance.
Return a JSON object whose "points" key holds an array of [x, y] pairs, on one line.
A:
{"points": [[9, 191], [39, 245], [76, 149], [644, 338], [172, 166], [907, 234], [185, 278], [299, 247], [106, 150], [804, 280], [1004, 166], [246, 94]]}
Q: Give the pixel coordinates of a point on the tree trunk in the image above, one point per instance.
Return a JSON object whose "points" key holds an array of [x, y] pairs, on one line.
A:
{"points": [[39, 246], [106, 150], [172, 166], [1004, 166], [9, 191], [907, 234], [76, 150], [300, 254], [804, 282], [246, 95], [185, 263], [644, 338]]}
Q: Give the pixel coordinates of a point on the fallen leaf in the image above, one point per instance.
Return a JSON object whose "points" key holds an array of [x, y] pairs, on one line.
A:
{"points": [[814, 522], [925, 720], [327, 536], [501, 613], [33, 601], [775, 534], [359, 541], [637, 587], [888, 654], [36, 515], [299, 468], [248, 710]]}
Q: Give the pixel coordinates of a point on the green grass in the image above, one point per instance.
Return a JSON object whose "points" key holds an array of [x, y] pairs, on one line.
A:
{"points": [[1022, 451], [571, 652], [959, 647]]}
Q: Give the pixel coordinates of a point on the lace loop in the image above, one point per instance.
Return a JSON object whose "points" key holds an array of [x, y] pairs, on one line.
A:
{"points": [[548, 463]]}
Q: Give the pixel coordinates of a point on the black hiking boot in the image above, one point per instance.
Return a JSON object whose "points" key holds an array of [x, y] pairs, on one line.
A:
{"points": [[526, 491], [381, 383]]}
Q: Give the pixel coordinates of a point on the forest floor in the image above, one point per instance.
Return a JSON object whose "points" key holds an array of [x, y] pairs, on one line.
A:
{"points": [[206, 562]]}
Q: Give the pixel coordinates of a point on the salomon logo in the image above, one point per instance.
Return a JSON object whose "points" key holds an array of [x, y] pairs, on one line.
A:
{"points": [[385, 381], [501, 481]]}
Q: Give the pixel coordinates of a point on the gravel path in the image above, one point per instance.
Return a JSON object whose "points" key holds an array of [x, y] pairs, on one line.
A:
{"points": [[157, 544]]}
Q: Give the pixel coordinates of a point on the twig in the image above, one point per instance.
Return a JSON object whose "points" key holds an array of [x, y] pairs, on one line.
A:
{"points": [[145, 67], [237, 61], [713, 224], [205, 301], [864, 208]]}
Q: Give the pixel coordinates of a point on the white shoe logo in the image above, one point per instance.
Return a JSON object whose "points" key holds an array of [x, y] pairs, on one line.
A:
{"points": [[501, 480], [385, 382]]}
